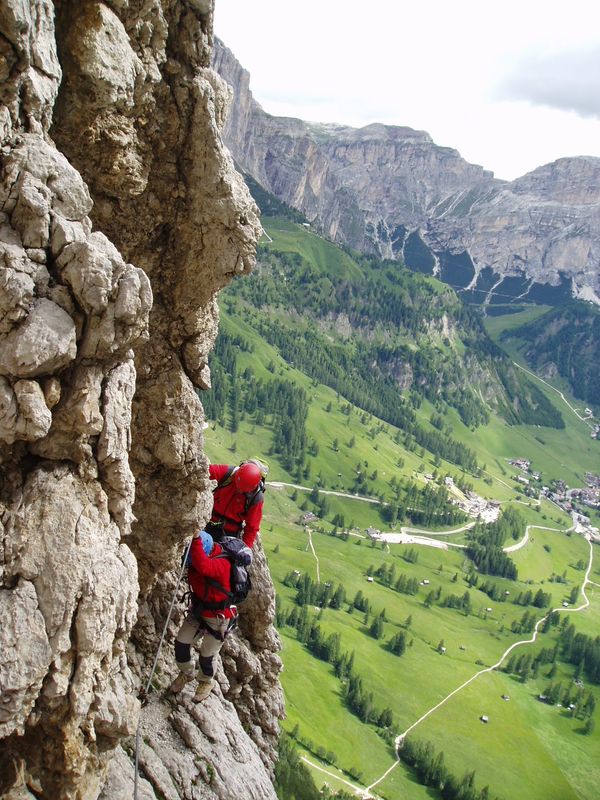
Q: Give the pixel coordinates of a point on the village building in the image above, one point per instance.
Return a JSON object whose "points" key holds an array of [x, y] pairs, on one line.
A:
{"points": [[521, 463]]}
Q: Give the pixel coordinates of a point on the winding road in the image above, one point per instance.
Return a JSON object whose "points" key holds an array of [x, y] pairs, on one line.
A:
{"points": [[549, 385], [281, 485], [366, 794], [584, 605]]}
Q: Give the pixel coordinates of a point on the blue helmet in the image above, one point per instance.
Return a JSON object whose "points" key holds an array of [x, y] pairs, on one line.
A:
{"points": [[207, 542]]}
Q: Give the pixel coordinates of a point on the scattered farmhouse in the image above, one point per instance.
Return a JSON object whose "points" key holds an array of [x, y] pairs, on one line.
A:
{"points": [[521, 463]]}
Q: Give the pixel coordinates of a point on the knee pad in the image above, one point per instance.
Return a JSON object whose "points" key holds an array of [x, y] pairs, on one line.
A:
{"points": [[206, 665], [182, 652]]}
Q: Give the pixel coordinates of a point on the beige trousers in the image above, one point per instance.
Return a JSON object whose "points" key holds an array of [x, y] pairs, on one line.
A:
{"points": [[193, 631]]}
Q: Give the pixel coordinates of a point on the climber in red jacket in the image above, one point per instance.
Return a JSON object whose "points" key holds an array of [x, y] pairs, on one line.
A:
{"points": [[238, 500], [211, 616]]}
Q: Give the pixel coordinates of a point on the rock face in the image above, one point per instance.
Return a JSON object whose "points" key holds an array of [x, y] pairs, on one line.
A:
{"points": [[121, 216], [391, 191]]}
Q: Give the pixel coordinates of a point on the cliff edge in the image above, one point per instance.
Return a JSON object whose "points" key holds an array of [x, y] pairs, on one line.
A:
{"points": [[121, 217]]}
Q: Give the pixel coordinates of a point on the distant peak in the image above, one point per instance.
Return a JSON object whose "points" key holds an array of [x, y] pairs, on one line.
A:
{"points": [[574, 180]]}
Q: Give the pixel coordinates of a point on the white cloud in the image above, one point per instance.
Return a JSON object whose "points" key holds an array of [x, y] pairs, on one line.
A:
{"points": [[567, 80], [462, 71]]}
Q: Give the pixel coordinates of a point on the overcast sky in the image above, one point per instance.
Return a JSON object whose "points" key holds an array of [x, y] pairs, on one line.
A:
{"points": [[511, 85]]}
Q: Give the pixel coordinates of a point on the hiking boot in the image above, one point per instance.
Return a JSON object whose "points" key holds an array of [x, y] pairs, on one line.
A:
{"points": [[180, 681], [203, 690]]}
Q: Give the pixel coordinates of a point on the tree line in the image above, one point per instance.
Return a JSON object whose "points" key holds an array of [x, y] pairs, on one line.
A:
{"points": [[569, 337], [280, 403], [328, 648], [431, 771], [540, 599], [350, 373], [486, 541], [384, 297], [293, 779], [583, 651]]}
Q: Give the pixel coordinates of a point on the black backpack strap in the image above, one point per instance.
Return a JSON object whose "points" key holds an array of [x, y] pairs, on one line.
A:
{"points": [[257, 496], [225, 480], [200, 605], [221, 519], [221, 588], [221, 604]]}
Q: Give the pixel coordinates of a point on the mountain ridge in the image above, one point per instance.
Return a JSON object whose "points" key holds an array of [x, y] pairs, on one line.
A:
{"points": [[372, 188]]}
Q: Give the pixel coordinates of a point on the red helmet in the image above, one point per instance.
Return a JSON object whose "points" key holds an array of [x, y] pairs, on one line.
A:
{"points": [[247, 477]]}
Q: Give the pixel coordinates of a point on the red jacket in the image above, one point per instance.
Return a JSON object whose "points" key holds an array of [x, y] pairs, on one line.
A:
{"points": [[230, 505], [219, 569]]}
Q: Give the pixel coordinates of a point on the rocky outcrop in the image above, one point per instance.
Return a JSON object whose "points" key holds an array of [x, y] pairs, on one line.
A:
{"points": [[121, 216], [391, 191]]}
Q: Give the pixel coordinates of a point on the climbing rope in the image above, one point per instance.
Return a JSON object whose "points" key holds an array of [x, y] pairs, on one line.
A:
{"points": [[143, 695]]}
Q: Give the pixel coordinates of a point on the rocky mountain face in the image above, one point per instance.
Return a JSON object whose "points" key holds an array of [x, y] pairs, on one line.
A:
{"points": [[121, 217], [391, 191]]}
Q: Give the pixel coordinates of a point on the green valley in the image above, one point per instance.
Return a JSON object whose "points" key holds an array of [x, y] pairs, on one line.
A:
{"points": [[389, 420]]}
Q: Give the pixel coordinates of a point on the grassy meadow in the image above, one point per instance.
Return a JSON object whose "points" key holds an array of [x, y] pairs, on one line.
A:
{"points": [[415, 682], [528, 750]]}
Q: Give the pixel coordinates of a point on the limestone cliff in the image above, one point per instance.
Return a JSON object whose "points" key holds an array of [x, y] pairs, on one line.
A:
{"points": [[121, 217], [391, 191]]}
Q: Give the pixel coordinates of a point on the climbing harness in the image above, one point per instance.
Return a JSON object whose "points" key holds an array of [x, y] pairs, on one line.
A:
{"points": [[143, 695]]}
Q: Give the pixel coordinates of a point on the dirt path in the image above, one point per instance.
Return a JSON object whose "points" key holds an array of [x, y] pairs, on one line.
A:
{"points": [[549, 385], [281, 485], [358, 790], [525, 539], [495, 666], [366, 794], [314, 552]]}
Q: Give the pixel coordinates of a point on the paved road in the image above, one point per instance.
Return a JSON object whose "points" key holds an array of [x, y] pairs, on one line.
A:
{"points": [[280, 485]]}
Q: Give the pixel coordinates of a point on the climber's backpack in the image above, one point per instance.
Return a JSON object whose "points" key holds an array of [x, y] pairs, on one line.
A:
{"points": [[240, 557]]}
